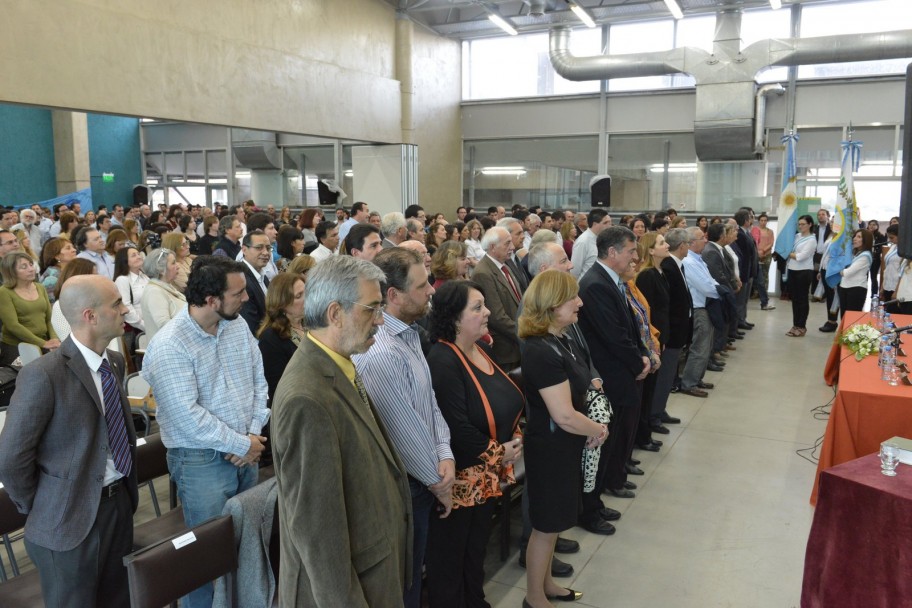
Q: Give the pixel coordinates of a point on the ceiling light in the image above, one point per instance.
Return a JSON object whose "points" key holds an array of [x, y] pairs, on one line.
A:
{"points": [[674, 8], [775, 4], [502, 23], [503, 171], [582, 14]]}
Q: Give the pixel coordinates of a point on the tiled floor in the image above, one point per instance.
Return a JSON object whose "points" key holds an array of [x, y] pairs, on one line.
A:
{"points": [[722, 516]]}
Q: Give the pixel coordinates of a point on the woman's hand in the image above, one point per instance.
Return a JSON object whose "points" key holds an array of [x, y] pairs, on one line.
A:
{"points": [[512, 450], [51, 344], [598, 440]]}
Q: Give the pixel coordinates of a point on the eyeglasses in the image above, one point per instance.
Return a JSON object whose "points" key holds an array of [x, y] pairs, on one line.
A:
{"points": [[377, 310], [261, 247]]}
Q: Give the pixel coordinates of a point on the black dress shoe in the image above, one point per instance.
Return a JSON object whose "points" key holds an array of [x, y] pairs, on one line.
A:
{"points": [[740, 333], [657, 442], [659, 428], [559, 569], [633, 461], [715, 368], [570, 596], [706, 385], [599, 526], [745, 325], [739, 336], [828, 327], [694, 392], [716, 361], [649, 447], [629, 485], [666, 419], [609, 514], [622, 493], [566, 546], [632, 469]]}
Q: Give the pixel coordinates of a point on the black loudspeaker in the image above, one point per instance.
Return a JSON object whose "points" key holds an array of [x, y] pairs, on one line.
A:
{"points": [[905, 198], [600, 189], [141, 195]]}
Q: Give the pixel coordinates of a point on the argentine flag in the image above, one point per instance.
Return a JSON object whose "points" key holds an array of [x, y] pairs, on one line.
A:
{"points": [[845, 219], [788, 200]]}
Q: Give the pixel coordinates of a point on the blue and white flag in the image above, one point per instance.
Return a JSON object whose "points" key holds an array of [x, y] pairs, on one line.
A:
{"points": [[788, 200], [845, 219]]}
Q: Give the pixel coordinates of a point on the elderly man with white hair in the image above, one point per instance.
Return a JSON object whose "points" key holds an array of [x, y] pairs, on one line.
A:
{"points": [[502, 295], [392, 227], [29, 222]]}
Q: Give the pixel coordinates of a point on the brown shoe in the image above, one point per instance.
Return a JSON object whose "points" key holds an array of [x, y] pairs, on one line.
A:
{"points": [[693, 392], [730, 347]]}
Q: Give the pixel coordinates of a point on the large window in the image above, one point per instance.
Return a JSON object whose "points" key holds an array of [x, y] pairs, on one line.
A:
{"points": [[641, 37]]}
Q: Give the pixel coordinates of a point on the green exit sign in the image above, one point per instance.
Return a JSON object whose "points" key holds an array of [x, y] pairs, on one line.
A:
{"points": [[107, 177]]}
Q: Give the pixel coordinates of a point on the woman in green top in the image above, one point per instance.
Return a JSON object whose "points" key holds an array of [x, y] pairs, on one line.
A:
{"points": [[25, 310]]}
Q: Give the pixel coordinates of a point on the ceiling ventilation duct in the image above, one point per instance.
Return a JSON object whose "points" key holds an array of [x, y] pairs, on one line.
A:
{"points": [[256, 149], [727, 102]]}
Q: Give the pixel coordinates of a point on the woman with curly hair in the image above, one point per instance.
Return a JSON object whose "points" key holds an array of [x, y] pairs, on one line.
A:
{"points": [[482, 406], [282, 328], [57, 253]]}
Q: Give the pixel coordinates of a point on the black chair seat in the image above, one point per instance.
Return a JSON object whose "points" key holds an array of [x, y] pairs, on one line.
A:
{"points": [[22, 591], [154, 530]]}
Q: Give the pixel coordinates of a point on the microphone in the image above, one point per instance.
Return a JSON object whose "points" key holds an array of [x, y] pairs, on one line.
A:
{"points": [[894, 301], [898, 330]]}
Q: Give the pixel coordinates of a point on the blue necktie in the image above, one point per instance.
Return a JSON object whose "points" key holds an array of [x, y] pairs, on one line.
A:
{"points": [[114, 418]]}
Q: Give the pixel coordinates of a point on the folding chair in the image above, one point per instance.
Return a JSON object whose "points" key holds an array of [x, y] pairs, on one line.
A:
{"points": [[175, 566], [151, 463], [139, 394], [22, 590], [28, 353]]}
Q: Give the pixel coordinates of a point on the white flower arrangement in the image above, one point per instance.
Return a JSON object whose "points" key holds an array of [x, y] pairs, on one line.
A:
{"points": [[863, 340]]}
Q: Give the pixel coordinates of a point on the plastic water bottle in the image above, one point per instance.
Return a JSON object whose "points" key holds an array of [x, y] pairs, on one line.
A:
{"points": [[884, 343], [876, 313], [888, 362]]}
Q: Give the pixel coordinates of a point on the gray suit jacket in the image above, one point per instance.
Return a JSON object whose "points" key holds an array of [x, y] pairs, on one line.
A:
{"points": [[252, 512], [54, 447], [504, 307], [344, 499]]}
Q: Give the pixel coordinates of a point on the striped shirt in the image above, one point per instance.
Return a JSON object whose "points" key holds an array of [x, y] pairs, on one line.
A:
{"points": [[210, 390], [396, 376]]}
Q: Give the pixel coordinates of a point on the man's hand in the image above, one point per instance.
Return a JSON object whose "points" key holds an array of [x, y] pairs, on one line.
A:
{"points": [[446, 504], [447, 471], [645, 368], [253, 454]]}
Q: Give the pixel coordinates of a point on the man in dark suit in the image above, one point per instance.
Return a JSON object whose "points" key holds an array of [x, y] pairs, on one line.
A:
{"points": [[68, 452], [680, 323], [344, 499], [515, 228], [257, 254], [619, 356], [748, 263], [722, 310], [502, 295]]}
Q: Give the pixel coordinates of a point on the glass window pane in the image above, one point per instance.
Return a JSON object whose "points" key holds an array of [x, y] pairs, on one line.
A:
{"points": [[174, 167], [696, 32], [764, 24], [639, 37], [518, 66], [855, 18], [196, 168], [636, 166], [215, 164]]}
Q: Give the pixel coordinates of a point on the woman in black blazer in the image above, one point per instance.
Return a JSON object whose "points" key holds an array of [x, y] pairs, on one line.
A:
{"points": [[652, 283], [281, 331]]}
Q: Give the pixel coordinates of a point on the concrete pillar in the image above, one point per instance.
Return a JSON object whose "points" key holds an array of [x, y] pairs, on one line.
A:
{"points": [[71, 150], [404, 50]]}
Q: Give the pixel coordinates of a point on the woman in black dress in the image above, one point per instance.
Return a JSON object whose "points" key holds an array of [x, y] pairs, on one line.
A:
{"points": [[482, 406], [556, 375]]}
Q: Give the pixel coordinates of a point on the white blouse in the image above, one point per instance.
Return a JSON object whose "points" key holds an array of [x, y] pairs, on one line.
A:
{"points": [[856, 273], [804, 249], [892, 262], [475, 250], [131, 288]]}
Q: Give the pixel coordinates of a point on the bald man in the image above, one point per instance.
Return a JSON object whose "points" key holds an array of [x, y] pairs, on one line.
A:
{"points": [[68, 453]]}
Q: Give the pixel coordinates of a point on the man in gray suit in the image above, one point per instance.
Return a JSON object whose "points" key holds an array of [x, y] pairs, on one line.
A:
{"points": [[392, 226], [344, 498], [68, 451]]}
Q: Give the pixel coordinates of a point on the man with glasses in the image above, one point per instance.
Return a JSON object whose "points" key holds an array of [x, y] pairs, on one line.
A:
{"points": [[702, 287], [8, 242], [344, 500], [257, 253]]}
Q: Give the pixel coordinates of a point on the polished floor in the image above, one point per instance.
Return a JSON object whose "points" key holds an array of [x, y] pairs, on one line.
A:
{"points": [[721, 517]]}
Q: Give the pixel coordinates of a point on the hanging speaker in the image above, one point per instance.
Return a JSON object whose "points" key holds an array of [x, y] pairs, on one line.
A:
{"points": [[905, 198], [600, 189]]}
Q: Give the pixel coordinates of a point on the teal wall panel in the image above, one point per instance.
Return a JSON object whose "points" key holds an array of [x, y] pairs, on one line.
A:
{"points": [[114, 148], [27, 172]]}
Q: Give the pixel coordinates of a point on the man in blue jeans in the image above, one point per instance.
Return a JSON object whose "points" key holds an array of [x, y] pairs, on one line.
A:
{"points": [[206, 372], [398, 381]]}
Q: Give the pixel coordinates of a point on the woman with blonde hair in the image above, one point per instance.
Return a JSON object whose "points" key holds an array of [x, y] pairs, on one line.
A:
{"points": [[301, 265], [25, 309], [178, 243], [25, 244], [476, 231], [131, 227], [557, 376], [68, 224], [436, 236], [449, 262], [57, 253], [282, 328], [568, 235]]}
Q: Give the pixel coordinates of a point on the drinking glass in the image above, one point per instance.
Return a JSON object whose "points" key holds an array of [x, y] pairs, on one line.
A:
{"points": [[889, 458]]}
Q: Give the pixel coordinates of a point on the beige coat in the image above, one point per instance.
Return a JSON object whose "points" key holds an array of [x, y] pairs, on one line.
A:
{"points": [[344, 499]]}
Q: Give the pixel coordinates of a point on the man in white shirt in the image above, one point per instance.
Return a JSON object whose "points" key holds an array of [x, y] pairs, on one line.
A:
{"points": [[328, 236], [257, 253], [585, 252], [91, 247], [28, 221], [359, 215]]}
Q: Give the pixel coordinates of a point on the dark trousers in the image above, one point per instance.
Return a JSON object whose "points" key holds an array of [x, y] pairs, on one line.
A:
{"points": [[455, 557], [592, 501], [625, 429], [800, 280], [422, 510], [644, 430], [852, 298], [92, 573], [665, 378], [830, 295]]}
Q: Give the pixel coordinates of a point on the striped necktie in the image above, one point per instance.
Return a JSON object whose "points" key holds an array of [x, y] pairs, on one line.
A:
{"points": [[114, 418], [362, 391]]}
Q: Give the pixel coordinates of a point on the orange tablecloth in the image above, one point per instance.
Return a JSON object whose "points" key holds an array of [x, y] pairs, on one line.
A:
{"points": [[866, 410]]}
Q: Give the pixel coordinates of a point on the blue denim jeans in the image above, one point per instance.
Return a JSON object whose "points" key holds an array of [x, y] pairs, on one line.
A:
{"points": [[205, 481]]}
